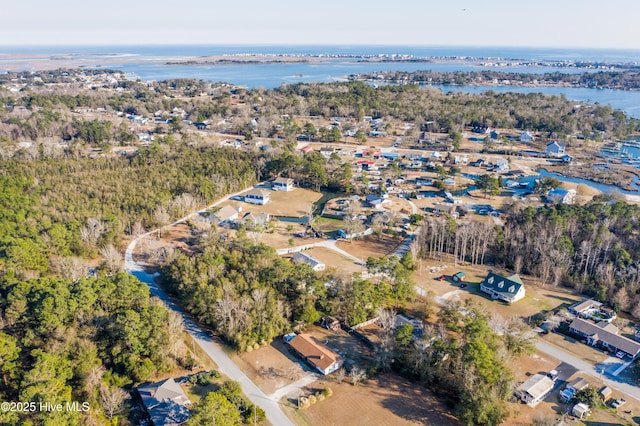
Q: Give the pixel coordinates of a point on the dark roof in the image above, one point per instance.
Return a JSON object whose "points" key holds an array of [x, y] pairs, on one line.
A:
{"points": [[605, 332], [505, 286]]}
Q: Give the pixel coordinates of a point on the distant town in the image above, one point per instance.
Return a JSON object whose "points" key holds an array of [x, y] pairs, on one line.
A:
{"points": [[343, 253]]}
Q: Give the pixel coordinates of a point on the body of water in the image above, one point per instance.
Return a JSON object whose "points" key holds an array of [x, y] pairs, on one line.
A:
{"points": [[149, 63], [599, 186]]}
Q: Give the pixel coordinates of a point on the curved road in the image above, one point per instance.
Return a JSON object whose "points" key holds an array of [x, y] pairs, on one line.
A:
{"points": [[271, 407]]}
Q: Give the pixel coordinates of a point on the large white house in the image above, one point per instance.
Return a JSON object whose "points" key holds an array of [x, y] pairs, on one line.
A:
{"points": [[282, 184], [561, 196], [555, 149], [498, 287], [257, 196]]}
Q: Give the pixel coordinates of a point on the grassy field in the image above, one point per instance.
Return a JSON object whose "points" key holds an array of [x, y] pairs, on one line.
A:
{"points": [[296, 203]]}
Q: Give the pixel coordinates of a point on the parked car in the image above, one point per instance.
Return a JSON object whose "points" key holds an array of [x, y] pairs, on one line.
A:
{"points": [[618, 403], [620, 354]]}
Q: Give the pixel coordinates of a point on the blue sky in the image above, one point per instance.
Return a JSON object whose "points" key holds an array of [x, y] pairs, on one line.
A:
{"points": [[544, 23]]}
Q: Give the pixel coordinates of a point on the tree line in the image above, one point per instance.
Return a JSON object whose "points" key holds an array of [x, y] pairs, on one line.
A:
{"points": [[592, 248]]}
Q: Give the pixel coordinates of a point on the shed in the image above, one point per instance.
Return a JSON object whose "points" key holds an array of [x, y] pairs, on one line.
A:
{"points": [[605, 393], [459, 276], [581, 410]]}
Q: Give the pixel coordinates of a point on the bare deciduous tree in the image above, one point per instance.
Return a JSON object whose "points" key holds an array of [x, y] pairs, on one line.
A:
{"points": [[92, 231], [113, 259], [72, 268], [357, 374], [112, 400]]}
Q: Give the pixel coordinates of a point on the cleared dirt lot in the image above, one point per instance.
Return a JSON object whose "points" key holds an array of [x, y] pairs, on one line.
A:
{"points": [[271, 367], [370, 245], [387, 399]]}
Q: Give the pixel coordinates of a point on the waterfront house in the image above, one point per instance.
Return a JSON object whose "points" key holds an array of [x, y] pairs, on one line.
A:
{"points": [[257, 196], [561, 196], [282, 184], [509, 289], [605, 335], [316, 354], [554, 149]]}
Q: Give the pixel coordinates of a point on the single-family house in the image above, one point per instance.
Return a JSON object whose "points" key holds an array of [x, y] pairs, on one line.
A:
{"points": [[446, 208], [390, 155], [315, 264], [307, 149], [348, 236], [418, 326], [500, 165], [282, 184], [567, 158], [554, 149], [449, 181], [606, 335], [593, 310], [561, 196], [166, 402], [227, 214], [376, 201], [257, 196], [498, 287], [326, 151], [316, 354], [535, 389], [256, 219], [526, 137]]}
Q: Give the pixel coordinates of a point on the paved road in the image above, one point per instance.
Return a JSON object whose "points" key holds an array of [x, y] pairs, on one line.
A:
{"points": [[586, 368], [271, 407]]}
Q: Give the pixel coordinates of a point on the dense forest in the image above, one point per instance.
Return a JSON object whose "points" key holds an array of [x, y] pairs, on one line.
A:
{"points": [[63, 341]]}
